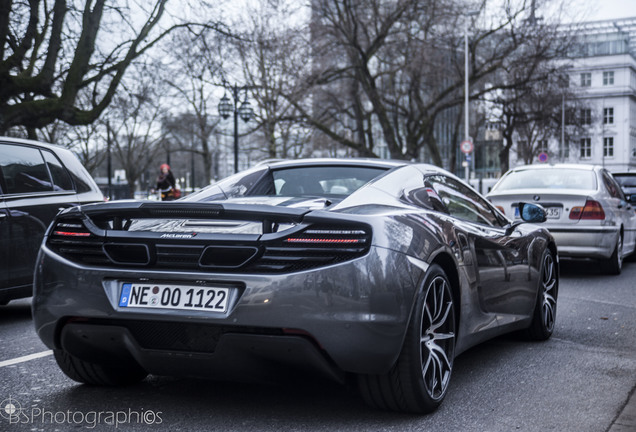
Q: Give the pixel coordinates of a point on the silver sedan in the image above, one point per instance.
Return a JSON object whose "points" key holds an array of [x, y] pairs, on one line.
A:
{"points": [[587, 212]]}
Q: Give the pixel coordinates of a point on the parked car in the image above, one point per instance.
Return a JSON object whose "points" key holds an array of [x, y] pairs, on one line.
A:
{"points": [[587, 212], [36, 181], [373, 270], [627, 181]]}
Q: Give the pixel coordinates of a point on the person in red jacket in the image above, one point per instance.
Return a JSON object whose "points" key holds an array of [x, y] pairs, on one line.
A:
{"points": [[166, 183]]}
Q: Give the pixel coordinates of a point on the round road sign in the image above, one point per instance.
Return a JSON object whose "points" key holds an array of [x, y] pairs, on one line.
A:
{"points": [[466, 146], [543, 157]]}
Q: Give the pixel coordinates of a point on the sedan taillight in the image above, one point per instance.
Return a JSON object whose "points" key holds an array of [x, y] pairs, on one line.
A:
{"points": [[593, 210]]}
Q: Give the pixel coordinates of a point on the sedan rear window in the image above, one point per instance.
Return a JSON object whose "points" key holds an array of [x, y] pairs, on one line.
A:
{"points": [[557, 178]]}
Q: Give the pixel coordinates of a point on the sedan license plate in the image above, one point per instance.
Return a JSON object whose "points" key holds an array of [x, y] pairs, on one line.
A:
{"points": [[550, 212], [553, 212], [181, 297]]}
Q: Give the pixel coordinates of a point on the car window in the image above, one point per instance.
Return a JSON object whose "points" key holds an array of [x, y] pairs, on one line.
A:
{"points": [[61, 179], [23, 170], [462, 202], [558, 178], [234, 186], [322, 180], [612, 187]]}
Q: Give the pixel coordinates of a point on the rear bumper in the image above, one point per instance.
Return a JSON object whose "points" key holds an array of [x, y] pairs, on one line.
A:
{"points": [[235, 356], [353, 315], [585, 242]]}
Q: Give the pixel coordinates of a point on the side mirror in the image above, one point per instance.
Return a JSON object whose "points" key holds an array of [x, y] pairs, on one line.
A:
{"points": [[532, 213]]}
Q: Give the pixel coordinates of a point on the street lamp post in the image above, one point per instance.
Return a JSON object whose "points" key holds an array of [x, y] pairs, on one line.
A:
{"points": [[227, 107], [563, 84], [109, 193], [466, 90]]}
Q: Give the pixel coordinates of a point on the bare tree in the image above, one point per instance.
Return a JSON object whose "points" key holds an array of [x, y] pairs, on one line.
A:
{"points": [[195, 73], [272, 61], [133, 125], [65, 59], [87, 142], [51, 51], [388, 71]]}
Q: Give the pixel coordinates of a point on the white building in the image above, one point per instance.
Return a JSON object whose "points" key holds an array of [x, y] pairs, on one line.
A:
{"points": [[604, 74]]}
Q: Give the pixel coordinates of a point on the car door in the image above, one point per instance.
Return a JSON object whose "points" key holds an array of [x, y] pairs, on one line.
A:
{"points": [[498, 261], [32, 199], [623, 209]]}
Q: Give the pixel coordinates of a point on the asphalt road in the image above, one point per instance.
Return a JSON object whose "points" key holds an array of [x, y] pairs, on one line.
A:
{"points": [[577, 381]]}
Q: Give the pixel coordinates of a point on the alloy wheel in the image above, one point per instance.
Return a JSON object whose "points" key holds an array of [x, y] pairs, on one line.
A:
{"points": [[549, 285], [437, 341]]}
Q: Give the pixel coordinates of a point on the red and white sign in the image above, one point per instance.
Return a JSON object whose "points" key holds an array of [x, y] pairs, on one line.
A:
{"points": [[466, 146]]}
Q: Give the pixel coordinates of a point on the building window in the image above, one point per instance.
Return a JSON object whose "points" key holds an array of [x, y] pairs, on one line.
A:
{"points": [[586, 79], [542, 146], [586, 116], [608, 115], [608, 147], [586, 148], [608, 78]]}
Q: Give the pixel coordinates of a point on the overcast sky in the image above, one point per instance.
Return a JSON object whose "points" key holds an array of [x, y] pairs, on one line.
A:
{"points": [[606, 9]]}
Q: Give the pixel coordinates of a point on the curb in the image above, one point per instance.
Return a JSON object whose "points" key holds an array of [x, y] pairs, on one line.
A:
{"points": [[626, 420]]}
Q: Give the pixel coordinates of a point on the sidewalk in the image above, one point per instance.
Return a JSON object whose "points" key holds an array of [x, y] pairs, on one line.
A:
{"points": [[626, 421]]}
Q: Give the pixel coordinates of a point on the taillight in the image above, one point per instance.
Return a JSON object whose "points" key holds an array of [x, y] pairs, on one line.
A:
{"points": [[593, 210], [73, 228], [329, 236]]}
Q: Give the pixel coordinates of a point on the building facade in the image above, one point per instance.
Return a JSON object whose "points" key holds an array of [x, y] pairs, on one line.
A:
{"points": [[603, 78]]}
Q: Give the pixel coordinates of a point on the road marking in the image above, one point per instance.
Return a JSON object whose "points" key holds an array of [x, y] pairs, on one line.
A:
{"points": [[25, 358]]}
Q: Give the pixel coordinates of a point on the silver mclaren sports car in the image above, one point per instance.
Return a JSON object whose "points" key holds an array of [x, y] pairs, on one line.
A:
{"points": [[373, 272]]}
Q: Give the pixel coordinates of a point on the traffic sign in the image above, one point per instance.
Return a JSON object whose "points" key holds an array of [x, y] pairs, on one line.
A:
{"points": [[543, 157], [466, 146], [469, 158]]}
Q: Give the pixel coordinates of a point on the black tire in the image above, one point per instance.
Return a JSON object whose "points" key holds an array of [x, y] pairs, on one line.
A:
{"points": [[544, 314], [418, 382], [614, 264], [98, 374]]}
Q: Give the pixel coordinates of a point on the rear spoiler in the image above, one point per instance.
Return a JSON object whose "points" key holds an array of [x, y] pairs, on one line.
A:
{"points": [[191, 210], [120, 211]]}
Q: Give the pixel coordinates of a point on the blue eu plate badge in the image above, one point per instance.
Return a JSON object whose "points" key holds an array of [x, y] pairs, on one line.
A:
{"points": [[125, 295]]}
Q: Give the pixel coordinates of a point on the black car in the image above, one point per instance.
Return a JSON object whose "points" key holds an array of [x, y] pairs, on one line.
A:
{"points": [[627, 180], [376, 271], [36, 181]]}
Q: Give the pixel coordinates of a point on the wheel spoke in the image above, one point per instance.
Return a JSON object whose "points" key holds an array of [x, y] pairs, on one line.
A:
{"points": [[442, 320], [549, 286], [443, 336], [548, 274], [548, 316], [440, 355], [549, 299], [429, 372]]}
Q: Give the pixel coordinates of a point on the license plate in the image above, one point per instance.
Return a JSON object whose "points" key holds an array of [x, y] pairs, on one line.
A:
{"points": [[180, 297], [553, 212], [550, 212]]}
